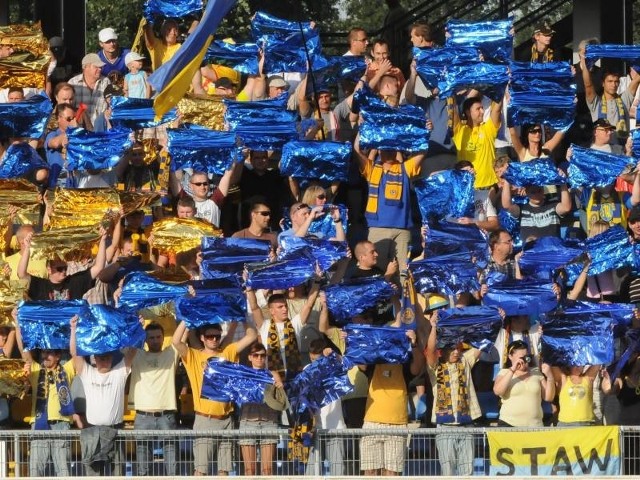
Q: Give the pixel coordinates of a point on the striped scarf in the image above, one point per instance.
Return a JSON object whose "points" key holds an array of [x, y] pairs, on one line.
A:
{"points": [[392, 190], [621, 126], [291, 350], [537, 57], [444, 400]]}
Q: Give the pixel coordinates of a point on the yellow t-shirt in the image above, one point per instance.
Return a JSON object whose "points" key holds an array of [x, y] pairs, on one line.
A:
{"points": [[37, 267], [165, 315], [477, 145], [387, 400], [161, 53], [195, 362], [576, 401], [53, 403]]}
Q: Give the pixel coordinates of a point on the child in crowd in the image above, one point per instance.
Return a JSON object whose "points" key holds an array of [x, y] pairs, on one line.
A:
{"points": [[135, 82]]}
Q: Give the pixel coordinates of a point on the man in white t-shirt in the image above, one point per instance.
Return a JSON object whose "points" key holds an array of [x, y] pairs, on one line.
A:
{"points": [[153, 392], [104, 386]]}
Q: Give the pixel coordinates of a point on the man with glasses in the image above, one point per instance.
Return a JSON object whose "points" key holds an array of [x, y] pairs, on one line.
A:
{"points": [[302, 215], [111, 53], [55, 145], [259, 227], [501, 259], [358, 42], [59, 285], [210, 415]]}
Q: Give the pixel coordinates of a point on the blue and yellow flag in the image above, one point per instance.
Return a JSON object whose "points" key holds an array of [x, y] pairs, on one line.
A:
{"points": [[172, 80]]}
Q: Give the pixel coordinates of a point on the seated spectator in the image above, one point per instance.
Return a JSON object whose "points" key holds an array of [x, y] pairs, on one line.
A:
{"points": [[574, 385], [89, 86], [301, 217], [259, 227]]}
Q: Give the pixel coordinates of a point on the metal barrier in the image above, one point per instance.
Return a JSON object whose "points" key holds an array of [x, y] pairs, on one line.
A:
{"points": [[27, 453]]}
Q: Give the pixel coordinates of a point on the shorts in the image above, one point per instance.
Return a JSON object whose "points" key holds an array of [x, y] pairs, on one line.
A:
{"points": [[256, 426], [382, 451]]}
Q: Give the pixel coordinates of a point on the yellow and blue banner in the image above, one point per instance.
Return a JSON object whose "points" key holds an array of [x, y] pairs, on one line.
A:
{"points": [[593, 451]]}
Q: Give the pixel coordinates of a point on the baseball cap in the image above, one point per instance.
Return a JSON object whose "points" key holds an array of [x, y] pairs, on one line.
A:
{"points": [[436, 301], [224, 82], [603, 123], [277, 81], [56, 42], [544, 29], [634, 214], [107, 34], [132, 57], [92, 59]]}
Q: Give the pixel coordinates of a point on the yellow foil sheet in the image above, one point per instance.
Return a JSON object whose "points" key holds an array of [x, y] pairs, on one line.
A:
{"points": [[69, 244], [132, 201], [204, 110], [24, 70], [25, 37], [13, 381], [81, 207], [10, 294], [175, 235], [24, 196]]}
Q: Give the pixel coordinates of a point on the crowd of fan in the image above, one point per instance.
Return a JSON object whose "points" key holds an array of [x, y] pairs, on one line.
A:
{"points": [[287, 330]]}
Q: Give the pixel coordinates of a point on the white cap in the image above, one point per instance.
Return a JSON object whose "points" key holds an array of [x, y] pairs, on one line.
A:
{"points": [[107, 34], [132, 57]]}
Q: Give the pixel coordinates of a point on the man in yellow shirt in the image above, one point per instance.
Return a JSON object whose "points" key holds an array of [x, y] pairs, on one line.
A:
{"points": [[37, 267], [210, 415], [475, 139]]}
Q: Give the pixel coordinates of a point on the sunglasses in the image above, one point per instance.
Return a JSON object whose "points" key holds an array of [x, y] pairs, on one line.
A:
{"points": [[213, 337], [322, 196], [68, 119], [61, 268], [200, 184], [259, 355], [535, 130], [264, 213]]}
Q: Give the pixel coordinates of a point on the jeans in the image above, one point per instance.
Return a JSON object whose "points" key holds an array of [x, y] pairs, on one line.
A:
{"points": [[57, 450], [333, 452], [166, 421], [204, 448]]}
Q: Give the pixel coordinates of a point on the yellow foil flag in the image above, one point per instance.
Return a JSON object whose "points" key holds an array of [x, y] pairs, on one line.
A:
{"points": [[175, 235]]}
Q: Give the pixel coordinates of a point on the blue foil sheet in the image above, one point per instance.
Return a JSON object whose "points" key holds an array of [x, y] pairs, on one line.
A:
{"points": [[629, 53], [96, 150], [577, 339], [367, 345], [621, 314], [610, 250], [350, 298], [350, 67], [473, 325], [171, 8], [326, 252], [541, 171], [26, 119], [287, 53], [451, 274], [202, 149], [322, 226], [19, 160], [447, 193], [635, 138], [511, 224], [231, 382], [242, 57], [217, 307], [542, 93], [263, 23], [263, 124], [137, 113], [45, 324], [104, 329], [593, 168], [542, 256], [488, 78], [322, 382], [229, 284], [521, 297], [326, 161], [141, 290], [447, 237], [222, 257], [431, 63], [282, 274], [492, 38]]}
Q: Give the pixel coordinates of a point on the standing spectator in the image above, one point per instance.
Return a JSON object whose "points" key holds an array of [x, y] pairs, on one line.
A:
{"points": [[111, 54], [55, 144], [135, 82], [164, 48], [104, 386], [259, 227], [153, 393], [210, 415], [395, 34], [574, 385], [89, 86], [541, 51], [302, 215], [358, 42]]}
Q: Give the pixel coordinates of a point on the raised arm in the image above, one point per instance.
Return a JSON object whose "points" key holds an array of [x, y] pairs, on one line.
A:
{"points": [[517, 144], [101, 257], [78, 362], [565, 205], [589, 89], [225, 181], [254, 308], [311, 300], [304, 106], [179, 339], [250, 336], [363, 160], [23, 264], [496, 113], [507, 204], [149, 37], [430, 352], [548, 383]]}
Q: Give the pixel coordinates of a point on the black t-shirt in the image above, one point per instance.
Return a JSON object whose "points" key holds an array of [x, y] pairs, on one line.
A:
{"points": [[541, 221], [383, 312], [72, 288]]}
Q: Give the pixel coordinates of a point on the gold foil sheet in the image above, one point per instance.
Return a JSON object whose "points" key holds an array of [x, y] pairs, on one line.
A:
{"points": [[204, 110], [69, 244], [83, 207], [132, 201], [11, 292], [175, 235], [24, 196], [13, 380], [24, 70], [25, 37]]}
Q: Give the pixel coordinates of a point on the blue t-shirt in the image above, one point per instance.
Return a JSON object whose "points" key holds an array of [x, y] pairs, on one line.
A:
{"points": [[136, 84], [118, 65]]}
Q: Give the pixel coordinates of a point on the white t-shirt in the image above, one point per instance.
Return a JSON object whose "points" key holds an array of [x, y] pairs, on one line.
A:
{"points": [[153, 386], [264, 334], [104, 393], [208, 210]]}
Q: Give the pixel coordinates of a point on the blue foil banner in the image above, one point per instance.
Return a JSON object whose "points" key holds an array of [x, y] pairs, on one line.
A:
{"points": [[350, 298], [288, 54], [263, 124], [368, 345], [26, 119], [322, 382], [446, 193], [326, 161], [473, 325], [45, 324], [447, 237], [492, 38], [431, 63], [542, 256], [521, 297], [630, 53], [326, 252], [592, 168], [222, 257], [322, 226], [610, 250], [215, 307], [141, 290], [542, 93], [449, 274], [104, 329], [490, 79], [263, 23], [228, 284], [231, 382], [577, 339], [137, 113], [202, 149], [96, 150], [621, 314], [282, 274], [511, 224], [541, 171], [635, 138], [19, 160], [171, 8], [242, 57], [349, 67]]}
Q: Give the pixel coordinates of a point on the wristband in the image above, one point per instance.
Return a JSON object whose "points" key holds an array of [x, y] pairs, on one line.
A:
{"points": [[338, 221]]}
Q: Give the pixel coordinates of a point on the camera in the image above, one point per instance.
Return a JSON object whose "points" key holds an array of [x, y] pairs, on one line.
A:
{"points": [[527, 359]]}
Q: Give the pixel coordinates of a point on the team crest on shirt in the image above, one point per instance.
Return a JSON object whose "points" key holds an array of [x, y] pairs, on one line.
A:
{"points": [[408, 316], [64, 395]]}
